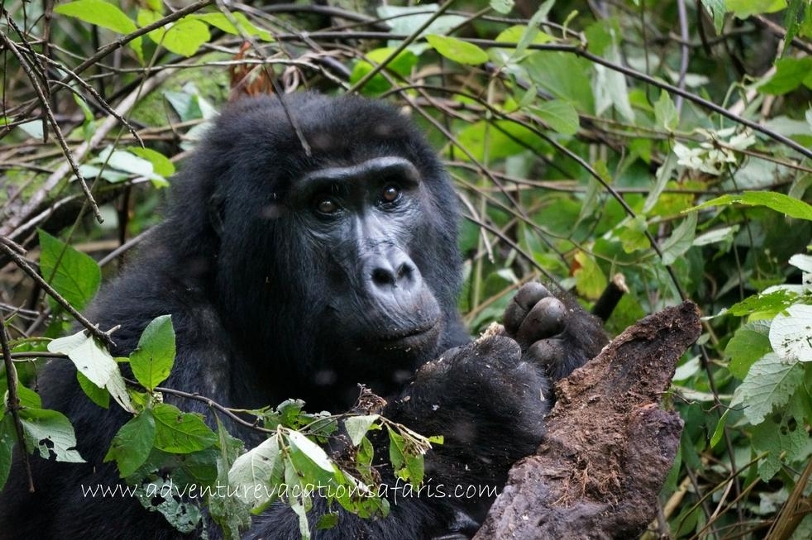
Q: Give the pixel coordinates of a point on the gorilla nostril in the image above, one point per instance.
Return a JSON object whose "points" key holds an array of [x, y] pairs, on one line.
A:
{"points": [[381, 276], [404, 271]]}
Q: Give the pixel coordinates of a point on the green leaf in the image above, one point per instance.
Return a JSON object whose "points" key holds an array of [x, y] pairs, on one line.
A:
{"points": [[311, 450], [748, 344], [717, 10], [152, 361], [254, 473], [502, 6], [99, 13], [183, 37], [783, 437], [246, 27], [791, 334], [515, 34], [95, 363], [97, 395], [559, 115], [680, 240], [160, 163], [790, 73], [632, 234], [74, 275], [51, 433], [769, 383], [590, 281], [457, 50], [132, 444], [104, 15], [720, 429], [746, 8], [357, 427], [533, 26], [8, 437], [665, 112], [774, 201], [178, 432]]}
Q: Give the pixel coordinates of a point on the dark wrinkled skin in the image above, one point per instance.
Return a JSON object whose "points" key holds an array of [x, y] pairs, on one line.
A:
{"points": [[290, 275]]}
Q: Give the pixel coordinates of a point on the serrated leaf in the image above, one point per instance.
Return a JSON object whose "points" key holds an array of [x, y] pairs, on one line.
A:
{"points": [[254, 473], [50, 432], [680, 240], [95, 363], [748, 344], [357, 427], [154, 357], [791, 334], [774, 201], [74, 275], [178, 432], [132, 444], [457, 50], [559, 115], [769, 383]]}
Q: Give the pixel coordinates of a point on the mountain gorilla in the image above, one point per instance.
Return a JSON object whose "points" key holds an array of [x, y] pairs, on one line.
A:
{"points": [[306, 249]]}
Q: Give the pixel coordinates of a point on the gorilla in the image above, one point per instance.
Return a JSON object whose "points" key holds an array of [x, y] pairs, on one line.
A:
{"points": [[309, 245]]}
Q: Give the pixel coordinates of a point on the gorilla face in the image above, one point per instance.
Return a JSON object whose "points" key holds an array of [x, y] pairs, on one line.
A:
{"points": [[357, 221], [360, 220]]}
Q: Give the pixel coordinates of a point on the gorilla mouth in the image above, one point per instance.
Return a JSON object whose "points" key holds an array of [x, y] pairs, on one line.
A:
{"points": [[407, 339]]}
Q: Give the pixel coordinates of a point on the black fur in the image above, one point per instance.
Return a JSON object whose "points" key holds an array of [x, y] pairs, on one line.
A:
{"points": [[271, 298]]}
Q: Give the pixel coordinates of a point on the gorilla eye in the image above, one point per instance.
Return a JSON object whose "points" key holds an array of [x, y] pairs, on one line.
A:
{"points": [[326, 206], [390, 193]]}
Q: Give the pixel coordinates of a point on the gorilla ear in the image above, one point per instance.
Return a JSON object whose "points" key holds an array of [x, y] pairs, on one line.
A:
{"points": [[217, 212]]}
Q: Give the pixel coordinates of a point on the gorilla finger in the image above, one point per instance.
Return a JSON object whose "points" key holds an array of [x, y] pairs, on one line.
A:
{"points": [[528, 296], [547, 353], [546, 319]]}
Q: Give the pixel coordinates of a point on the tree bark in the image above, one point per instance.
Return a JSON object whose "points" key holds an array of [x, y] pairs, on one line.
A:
{"points": [[608, 446]]}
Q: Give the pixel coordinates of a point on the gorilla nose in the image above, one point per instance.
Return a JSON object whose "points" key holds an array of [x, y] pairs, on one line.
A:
{"points": [[395, 271]]}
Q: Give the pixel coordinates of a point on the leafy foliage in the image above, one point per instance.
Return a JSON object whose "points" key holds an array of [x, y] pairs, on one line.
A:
{"points": [[586, 141]]}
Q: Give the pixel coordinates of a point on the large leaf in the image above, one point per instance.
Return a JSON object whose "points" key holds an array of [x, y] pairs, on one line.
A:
{"points": [[104, 15], [457, 50], [790, 334], [133, 443], [178, 432], [775, 201], [254, 473], [51, 433], [95, 363], [152, 361], [769, 383], [74, 275]]}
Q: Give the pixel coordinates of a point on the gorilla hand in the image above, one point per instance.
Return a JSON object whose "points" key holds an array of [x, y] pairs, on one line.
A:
{"points": [[554, 333], [488, 404]]}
